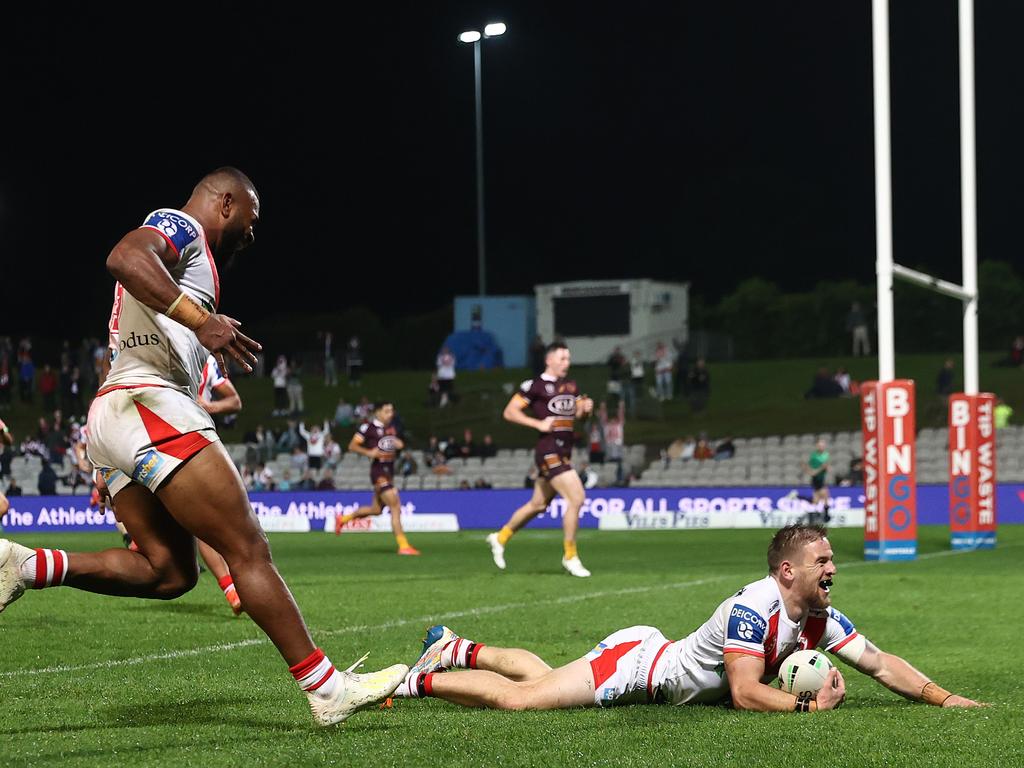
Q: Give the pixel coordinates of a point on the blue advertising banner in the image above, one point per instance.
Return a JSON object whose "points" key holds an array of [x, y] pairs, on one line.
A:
{"points": [[479, 509]]}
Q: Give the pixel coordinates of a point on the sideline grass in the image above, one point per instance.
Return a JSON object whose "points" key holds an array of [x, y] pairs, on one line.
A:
{"points": [[183, 683]]}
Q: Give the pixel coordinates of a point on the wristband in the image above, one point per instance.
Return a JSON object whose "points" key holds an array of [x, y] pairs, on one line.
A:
{"points": [[934, 694], [803, 702], [186, 310]]}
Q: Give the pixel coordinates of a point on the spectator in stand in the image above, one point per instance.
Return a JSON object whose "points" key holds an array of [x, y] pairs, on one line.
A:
{"points": [[285, 483], [699, 386], [433, 457], [464, 485], [48, 387], [75, 393], [47, 482], [616, 373], [538, 353], [332, 452], [824, 386], [13, 489], [451, 448], [468, 449], [1017, 352], [306, 482], [725, 449], [6, 452], [842, 378], [364, 409], [279, 376], [664, 362], [856, 474], [296, 405], [354, 362], [330, 370], [5, 374], [299, 460], [681, 380], [289, 437], [633, 386], [315, 443], [434, 392], [26, 376], [703, 449], [1002, 414], [944, 381], [588, 476], [326, 481], [614, 437], [261, 441], [266, 478], [595, 438], [446, 376], [407, 464], [343, 414], [482, 484], [488, 450], [857, 326]]}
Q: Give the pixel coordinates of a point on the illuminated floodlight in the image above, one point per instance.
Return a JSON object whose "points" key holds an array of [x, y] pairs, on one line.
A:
{"points": [[495, 29], [470, 37]]}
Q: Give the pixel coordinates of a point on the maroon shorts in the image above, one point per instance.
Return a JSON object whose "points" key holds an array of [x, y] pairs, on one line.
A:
{"points": [[552, 464], [381, 476]]}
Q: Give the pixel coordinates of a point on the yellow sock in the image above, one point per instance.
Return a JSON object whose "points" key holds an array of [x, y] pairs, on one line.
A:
{"points": [[402, 541], [346, 519], [504, 535], [570, 549]]}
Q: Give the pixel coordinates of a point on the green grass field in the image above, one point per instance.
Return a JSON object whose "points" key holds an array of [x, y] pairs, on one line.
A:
{"points": [[91, 680]]}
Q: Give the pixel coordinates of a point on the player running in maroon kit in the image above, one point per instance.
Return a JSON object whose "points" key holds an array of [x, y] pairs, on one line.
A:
{"points": [[160, 456], [550, 404], [378, 440]]}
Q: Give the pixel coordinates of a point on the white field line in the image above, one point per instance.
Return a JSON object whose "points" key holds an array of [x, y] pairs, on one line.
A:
{"points": [[419, 620]]}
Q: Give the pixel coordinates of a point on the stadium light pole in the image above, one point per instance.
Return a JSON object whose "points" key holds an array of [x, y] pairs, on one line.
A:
{"points": [[472, 36]]}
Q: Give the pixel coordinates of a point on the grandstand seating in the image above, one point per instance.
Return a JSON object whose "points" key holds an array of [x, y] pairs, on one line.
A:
{"points": [[759, 461]]}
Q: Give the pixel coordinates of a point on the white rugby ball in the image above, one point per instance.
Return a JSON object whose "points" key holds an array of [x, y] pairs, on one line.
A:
{"points": [[804, 672]]}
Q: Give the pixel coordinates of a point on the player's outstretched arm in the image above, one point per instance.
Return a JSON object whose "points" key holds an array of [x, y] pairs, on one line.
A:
{"points": [[744, 673], [899, 676]]}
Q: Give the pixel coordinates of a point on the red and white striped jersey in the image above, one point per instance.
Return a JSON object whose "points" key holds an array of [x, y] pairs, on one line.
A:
{"points": [[753, 621], [212, 378], [147, 347]]}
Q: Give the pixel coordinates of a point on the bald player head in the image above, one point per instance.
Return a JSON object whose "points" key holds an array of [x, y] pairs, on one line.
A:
{"points": [[226, 204]]}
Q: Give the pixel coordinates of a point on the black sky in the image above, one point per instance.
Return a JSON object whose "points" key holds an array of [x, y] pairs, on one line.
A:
{"points": [[685, 141]]}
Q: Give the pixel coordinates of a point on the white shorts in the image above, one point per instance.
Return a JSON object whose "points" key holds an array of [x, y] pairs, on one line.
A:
{"points": [[624, 666], [143, 433]]}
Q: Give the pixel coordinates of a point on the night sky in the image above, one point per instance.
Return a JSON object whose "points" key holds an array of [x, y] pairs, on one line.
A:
{"points": [[706, 142]]}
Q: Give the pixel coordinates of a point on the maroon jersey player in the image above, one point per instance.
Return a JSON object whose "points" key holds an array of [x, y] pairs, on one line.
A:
{"points": [[378, 440], [549, 404]]}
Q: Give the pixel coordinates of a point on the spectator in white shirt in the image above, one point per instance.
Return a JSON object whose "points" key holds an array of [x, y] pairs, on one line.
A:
{"points": [[664, 362], [446, 375], [280, 378], [315, 443]]}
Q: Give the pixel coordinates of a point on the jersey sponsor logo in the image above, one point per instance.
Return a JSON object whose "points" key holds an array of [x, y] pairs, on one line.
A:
{"points": [[387, 444], [174, 227], [147, 467], [141, 340], [562, 405], [773, 607], [844, 622], [746, 625]]}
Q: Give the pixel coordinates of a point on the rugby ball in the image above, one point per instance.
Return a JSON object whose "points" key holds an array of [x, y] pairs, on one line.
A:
{"points": [[804, 672]]}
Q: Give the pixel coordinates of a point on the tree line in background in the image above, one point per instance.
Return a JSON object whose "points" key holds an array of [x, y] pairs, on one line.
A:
{"points": [[765, 322]]}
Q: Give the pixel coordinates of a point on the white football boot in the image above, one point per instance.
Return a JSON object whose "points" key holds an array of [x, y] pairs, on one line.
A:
{"points": [[356, 692], [497, 550], [574, 566], [12, 556]]}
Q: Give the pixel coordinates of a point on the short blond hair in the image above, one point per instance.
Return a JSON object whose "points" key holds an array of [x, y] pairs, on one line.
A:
{"points": [[789, 540]]}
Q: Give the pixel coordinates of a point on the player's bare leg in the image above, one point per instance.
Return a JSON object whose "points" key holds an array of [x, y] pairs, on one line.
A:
{"points": [[514, 663], [394, 504], [570, 487], [562, 688], [340, 521], [543, 493], [219, 568]]}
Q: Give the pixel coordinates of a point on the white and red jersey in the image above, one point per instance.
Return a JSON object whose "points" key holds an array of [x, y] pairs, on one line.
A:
{"points": [[753, 621], [147, 347], [212, 378]]}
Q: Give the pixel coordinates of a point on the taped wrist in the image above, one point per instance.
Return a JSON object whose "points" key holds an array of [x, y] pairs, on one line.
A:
{"points": [[803, 702], [187, 311], [934, 694]]}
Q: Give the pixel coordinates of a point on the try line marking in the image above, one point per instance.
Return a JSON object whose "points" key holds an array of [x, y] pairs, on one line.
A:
{"points": [[419, 620]]}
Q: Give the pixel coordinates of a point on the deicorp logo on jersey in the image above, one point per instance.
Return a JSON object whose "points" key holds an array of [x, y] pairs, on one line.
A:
{"points": [[972, 471], [890, 487]]}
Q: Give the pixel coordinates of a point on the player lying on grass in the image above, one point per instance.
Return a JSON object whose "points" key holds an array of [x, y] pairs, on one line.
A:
{"points": [[734, 655]]}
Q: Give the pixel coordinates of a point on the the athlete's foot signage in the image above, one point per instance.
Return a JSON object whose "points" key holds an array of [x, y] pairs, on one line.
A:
{"points": [[972, 471], [890, 483]]}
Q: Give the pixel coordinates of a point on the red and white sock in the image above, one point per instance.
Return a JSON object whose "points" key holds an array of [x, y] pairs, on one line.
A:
{"points": [[316, 675], [46, 568], [227, 584], [460, 653], [416, 686]]}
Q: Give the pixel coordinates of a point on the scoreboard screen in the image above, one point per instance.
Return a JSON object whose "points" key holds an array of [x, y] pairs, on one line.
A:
{"points": [[592, 315]]}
